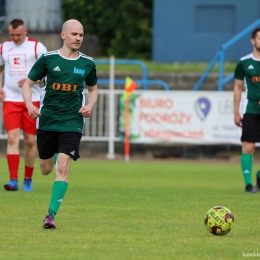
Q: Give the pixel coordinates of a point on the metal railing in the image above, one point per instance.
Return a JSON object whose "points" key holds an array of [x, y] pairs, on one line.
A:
{"points": [[220, 57], [144, 81]]}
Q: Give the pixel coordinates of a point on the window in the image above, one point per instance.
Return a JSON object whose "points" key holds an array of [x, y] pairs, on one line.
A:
{"points": [[215, 18]]}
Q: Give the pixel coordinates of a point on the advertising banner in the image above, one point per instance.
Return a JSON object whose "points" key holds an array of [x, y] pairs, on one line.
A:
{"points": [[201, 117]]}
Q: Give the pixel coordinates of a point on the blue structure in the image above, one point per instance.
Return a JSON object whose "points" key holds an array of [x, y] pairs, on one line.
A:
{"points": [[194, 30], [145, 81], [220, 58]]}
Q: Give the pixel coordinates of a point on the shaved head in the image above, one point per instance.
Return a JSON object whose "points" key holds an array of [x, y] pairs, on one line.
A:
{"points": [[71, 24], [72, 35]]}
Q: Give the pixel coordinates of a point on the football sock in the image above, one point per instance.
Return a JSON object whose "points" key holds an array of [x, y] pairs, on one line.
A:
{"points": [[246, 165], [13, 161], [258, 174], [28, 172], [55, 158], [58, 192]]}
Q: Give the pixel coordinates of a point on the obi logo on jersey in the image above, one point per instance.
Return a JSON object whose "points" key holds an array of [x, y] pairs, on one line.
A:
{"points": [[64, 87], [79, 71], [256, 79]]}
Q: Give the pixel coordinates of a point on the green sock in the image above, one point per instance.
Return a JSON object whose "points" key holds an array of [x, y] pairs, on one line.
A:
{"points": [[55, 158], [58, 192], [246, 165]]}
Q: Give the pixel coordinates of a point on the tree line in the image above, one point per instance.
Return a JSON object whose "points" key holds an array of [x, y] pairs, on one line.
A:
{"points": [[124, 28]]}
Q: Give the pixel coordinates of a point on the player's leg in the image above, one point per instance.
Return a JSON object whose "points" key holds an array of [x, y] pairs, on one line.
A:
{"points": [[30, 151], [59, 189], [30, 148], [257, 185], [249, 138], [13, 159], [47, 145], [247, 164], [68, 148], [12, 121]]}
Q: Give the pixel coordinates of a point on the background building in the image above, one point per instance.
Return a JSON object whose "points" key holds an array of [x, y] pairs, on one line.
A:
{"points": [[44, 16], [194, 31], [43, 20]]}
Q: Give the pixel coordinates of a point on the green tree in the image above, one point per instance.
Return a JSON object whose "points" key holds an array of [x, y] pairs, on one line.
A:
{"points": [[124, 28]]}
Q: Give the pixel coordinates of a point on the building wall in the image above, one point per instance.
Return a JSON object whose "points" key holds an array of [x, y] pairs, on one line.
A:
{"points": [[194, 30]]}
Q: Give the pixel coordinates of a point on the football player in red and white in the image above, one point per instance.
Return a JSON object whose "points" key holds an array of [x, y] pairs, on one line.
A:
{"points": [[17, 56]]}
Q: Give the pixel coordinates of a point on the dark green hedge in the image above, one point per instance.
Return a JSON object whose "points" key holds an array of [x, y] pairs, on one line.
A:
{"points": [[124, 27]]}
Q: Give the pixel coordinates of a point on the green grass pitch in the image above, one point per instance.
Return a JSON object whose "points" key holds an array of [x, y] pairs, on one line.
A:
{"points": [[138, 210]]}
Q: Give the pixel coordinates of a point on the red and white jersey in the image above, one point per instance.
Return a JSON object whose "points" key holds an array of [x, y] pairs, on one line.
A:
{"points": [[18, 61]]}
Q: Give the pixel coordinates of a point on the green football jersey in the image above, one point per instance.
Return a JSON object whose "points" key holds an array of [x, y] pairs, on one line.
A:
{"points": [[248, 69], [62, 95]]}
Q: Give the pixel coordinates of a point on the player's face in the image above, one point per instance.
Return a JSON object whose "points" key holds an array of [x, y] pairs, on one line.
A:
{"points": [[73, 37], [256, 42], [17, 35]]}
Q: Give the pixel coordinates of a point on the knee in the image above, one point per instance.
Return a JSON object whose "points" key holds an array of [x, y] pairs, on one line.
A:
{"points": [[13, 139], [62, 168], [30, 142], [46, 168], [248, 148]]}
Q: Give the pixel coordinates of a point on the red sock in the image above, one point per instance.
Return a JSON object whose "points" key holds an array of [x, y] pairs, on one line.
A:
{"points": [[28, 172], [13, 161]]}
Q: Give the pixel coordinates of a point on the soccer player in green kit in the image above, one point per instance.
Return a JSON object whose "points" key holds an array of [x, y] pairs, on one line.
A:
{"points": [[62, 112], [247, 73]]}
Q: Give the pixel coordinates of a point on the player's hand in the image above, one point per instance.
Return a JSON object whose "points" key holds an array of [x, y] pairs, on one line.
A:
{"points": [[2, 95], [86, 111], [33, 111], [238, 120], [21, 82]]}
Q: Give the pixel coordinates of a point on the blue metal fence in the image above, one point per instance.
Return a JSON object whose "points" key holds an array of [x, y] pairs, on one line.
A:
{"points": [[220, 57], [144, 81]]}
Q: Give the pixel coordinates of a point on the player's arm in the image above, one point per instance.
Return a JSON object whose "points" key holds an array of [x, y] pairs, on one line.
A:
{"points": [[2, 93], [21, 82], [238, 88], [27, 96], [92, 99]]}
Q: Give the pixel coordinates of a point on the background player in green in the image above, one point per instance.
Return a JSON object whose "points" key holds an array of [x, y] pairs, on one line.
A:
{"points": [[60, 119], [247, 74]]}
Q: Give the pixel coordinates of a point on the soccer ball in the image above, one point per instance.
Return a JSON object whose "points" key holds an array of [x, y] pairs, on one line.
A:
{"points": [[219, 220]]}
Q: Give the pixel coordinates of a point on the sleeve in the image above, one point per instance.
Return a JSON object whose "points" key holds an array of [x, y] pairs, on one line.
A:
{"points": [[91, 79], [38, 71], [41, 49], [239, 71]]}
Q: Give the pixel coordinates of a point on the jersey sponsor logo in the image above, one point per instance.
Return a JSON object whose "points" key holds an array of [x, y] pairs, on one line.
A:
{"points": [[57, 68], [17, 62], [256, 79], [250, 67], [64, 87], [79, 71]]}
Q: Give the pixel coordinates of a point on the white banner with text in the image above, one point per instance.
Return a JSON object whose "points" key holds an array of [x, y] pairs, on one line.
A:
{"points": [[201, 117]]}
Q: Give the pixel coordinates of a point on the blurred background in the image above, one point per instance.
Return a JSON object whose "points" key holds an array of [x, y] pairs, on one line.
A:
{"points": [[172, 45]]}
